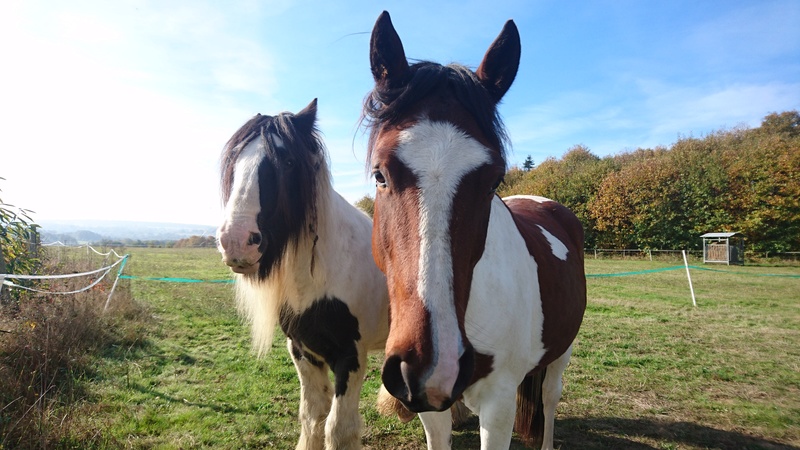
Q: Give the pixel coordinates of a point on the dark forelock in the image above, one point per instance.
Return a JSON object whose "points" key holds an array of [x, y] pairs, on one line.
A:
{"points": [[385, 106]]}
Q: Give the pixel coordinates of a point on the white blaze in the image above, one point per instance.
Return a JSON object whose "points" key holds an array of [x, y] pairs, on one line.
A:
{"points": [[244, 201], [439, 155]]}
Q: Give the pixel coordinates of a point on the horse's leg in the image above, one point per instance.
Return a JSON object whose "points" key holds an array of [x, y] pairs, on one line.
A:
{"points": [[551, 394], [315, 399], [343, 428], [438, 429], [495, 402]]}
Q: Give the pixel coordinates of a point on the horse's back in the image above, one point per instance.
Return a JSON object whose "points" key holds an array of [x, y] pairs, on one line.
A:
{"points": [[554, 237]]}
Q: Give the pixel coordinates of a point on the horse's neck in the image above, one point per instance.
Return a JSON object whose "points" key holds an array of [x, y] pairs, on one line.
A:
{"points": [[506, 270], [305, 268]]}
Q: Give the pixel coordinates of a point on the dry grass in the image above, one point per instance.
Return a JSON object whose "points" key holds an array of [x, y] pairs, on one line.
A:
{"points": [[48, 348]]}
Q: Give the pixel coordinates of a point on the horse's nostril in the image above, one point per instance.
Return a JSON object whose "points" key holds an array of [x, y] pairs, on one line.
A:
{"points": [[393, 379], [254, 239]]}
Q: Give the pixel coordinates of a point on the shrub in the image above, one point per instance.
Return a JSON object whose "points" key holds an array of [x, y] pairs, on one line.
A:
{"points": [[17, 231], [366, 204]]}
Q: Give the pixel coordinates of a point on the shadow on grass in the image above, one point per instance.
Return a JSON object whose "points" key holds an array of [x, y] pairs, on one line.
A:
{"points": [[616, 433], [214, 407], [158, 360]]}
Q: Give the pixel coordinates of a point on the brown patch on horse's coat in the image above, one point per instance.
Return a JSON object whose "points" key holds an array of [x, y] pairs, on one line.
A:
{"points": [[484, 364], [469, 223], [562, 284]]}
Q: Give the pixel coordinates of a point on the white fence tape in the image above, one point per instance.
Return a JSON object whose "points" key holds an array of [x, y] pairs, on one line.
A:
{"points": [[88, 247], [5, 277], [105, 254], [55, 277]]}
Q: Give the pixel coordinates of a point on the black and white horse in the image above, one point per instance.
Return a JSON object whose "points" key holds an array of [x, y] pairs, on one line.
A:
{"points": [[302, 258]]}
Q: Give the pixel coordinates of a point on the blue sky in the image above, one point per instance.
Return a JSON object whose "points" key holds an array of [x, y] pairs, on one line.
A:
{"points": [[119, 110]]}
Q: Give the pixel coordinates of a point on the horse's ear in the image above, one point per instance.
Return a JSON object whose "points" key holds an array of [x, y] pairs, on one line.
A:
{"points": [[307, 117], [501, 61], [386, 55]]}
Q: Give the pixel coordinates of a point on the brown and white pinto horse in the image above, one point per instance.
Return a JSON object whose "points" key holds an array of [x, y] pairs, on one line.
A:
{"points": [[302, 258], [486, 295]]}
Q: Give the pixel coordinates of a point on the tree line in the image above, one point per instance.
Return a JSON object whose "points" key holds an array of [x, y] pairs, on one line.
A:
{"points": [[191, 241], [744, 179]]}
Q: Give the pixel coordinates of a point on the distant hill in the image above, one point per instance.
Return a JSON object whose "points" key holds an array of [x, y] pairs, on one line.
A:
{"points": [[84, 231]]}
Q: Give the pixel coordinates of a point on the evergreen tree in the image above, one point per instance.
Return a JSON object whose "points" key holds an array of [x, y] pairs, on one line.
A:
{"points": [[528, 164]]}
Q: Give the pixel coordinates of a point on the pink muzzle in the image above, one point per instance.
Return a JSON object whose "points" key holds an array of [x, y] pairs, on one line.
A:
{"points": [[239, 245]]}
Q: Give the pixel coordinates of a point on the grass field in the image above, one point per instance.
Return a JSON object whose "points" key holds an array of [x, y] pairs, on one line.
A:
{"points": [[649, 371]]}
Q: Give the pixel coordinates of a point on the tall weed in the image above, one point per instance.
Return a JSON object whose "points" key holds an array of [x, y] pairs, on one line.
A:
{"points": [[48, 348]]}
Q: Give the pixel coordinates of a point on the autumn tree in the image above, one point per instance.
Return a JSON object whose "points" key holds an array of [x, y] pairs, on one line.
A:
{"points": [[572, 181], [744, 180], [366, 204]]}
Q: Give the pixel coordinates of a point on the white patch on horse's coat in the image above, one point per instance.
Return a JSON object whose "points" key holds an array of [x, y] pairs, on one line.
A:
{"points": [[439, 155], [558, 248], [506, 271]]}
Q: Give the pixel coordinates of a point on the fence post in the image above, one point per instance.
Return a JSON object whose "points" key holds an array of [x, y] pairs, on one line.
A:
{"points": [[689, 276], [114, 286], [33, 242]]}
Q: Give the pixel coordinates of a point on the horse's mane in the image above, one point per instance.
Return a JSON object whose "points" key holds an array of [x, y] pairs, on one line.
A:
{"points": [[384, 105], [295, 213], [260, 126]]}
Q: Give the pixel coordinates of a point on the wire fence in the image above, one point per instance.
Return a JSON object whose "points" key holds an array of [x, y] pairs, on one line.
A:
{"points": [[653, 254], [93, 277]]}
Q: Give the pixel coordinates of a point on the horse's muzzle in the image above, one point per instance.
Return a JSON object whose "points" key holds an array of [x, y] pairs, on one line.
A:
{"points": [[240, 247], [400, 379]]}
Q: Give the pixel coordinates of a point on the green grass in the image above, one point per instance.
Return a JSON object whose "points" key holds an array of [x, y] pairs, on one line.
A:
{"points": [[649, 371]]}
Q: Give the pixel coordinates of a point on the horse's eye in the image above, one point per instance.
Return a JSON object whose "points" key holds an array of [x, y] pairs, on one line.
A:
{"points": [[496, 185], [380, 181]]}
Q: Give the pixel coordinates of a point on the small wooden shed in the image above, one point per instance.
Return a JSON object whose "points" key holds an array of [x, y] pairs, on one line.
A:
{"points": [[725, 248]]}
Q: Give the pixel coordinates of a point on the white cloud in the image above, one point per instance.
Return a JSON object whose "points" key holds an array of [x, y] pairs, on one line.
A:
{"points": [[654, 113], [671, 109]]}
